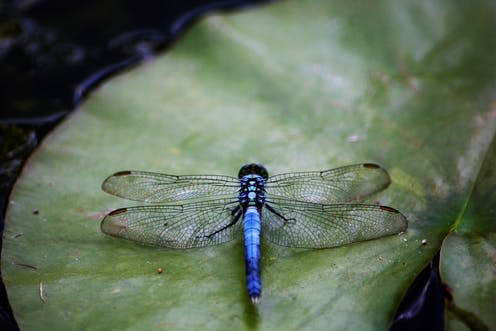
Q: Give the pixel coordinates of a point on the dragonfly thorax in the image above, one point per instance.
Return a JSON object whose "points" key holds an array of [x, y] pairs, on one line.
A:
{"points": [[252, 190]]}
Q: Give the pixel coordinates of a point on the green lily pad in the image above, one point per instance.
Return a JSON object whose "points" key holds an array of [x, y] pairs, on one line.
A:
{"points": [[295, 85], [469, 256]]}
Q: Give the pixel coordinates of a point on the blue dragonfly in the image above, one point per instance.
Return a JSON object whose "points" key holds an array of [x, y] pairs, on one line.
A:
{"points": [[316, 209]]}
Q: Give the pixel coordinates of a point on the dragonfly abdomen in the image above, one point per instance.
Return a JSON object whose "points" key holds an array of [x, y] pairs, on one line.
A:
{"points": [[252, 253]]}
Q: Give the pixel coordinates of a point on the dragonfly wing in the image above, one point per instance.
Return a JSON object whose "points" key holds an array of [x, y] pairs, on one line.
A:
{"points": [[308, 225], [155, 187], [339, 185], [189, 225]]}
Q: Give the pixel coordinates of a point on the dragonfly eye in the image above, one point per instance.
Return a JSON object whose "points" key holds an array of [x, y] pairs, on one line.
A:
{"points": [[253, 169]]}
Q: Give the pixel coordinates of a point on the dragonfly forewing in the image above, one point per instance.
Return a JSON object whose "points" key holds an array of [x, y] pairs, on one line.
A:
{"points": [[196, 224], [162, 188], [340, 185], [308, 225]]}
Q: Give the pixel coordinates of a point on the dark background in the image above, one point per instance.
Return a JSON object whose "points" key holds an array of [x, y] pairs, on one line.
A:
{"points": [[53, 52]]}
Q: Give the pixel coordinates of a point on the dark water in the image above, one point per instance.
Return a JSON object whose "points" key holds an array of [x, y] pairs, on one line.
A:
{"points": [[53, 52]]}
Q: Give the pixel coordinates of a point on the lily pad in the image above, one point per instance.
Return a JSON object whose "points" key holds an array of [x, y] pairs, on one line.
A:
{"points": [[295, 85], [469, 256]]}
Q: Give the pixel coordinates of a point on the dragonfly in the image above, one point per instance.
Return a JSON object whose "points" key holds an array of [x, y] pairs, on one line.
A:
{"points": [[313, 209]]}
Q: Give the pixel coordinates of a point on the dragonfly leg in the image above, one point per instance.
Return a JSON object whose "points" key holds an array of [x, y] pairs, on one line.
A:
{"points": [[275, 212], [236, 212]]}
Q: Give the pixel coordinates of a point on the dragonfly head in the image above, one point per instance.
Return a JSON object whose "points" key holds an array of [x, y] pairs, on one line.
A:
{"points": [[253, 169]]}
